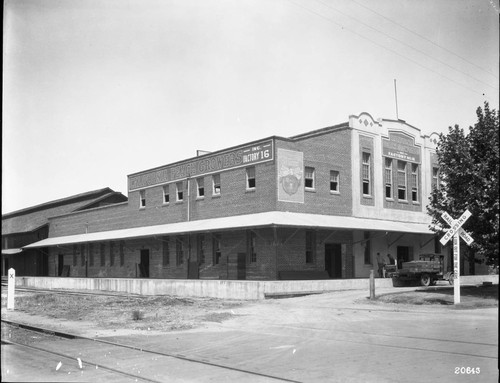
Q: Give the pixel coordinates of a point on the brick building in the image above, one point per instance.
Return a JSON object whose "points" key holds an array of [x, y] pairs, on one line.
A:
{"points": [[318, 205], [26, 226]]}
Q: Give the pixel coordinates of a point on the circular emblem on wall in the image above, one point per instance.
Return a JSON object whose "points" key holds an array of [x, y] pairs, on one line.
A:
{"points": [[290, 184]]}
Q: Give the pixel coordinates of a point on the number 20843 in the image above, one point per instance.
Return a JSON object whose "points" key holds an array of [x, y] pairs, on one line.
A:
{"points": [[467, 370]]}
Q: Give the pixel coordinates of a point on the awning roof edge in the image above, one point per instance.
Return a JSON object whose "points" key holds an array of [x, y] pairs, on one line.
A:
{"points": [[266, 219], [11, 251]]}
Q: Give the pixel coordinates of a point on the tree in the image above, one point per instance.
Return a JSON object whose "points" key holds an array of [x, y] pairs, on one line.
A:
{"points": [[469, 171]]}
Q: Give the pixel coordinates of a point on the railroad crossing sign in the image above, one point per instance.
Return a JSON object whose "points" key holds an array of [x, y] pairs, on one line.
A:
{"points": [[456, 232], [456, 226]]}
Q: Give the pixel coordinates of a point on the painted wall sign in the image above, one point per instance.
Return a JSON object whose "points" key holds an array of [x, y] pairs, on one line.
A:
{"points": [[207, 164], [290, 176], [401, 147]]}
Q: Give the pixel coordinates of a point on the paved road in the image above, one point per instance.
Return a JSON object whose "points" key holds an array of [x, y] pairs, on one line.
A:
{"points": [[322, 338]]}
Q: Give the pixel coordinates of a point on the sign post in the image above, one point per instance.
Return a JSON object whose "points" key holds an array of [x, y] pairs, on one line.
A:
{"points": [[456, 232], [10, 289]]}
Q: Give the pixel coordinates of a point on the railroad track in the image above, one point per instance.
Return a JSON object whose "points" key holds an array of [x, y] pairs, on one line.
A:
{"points": [[92, 341]]}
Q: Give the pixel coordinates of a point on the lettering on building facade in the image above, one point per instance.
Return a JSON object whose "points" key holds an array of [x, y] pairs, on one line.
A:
{"points": [[245, 156], [401, 147]]}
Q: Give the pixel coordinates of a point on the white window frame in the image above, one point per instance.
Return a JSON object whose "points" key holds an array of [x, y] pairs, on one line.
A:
{"points": [[249, 177], [179, 189], [166, 192], [200, 186], [335, 177], [388, 178], [214, 184], [312, 178], [142, 199], [405, 186], [414, 183], [366, 169]]}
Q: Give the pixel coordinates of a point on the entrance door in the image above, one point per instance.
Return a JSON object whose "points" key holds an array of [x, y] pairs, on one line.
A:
{"points": [[404, 253], [333, 260], [144, 265], [60, 264]]}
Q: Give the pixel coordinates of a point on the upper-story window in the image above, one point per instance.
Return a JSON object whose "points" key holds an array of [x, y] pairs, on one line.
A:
{"points": [[309, 178], [402, 180], [414, 182], [334, 181], [366, 173], [216, 184], [142, 198], [251, 177], [180, 191], [200, 182], [166, 193], [435, 178], [388, 178]]}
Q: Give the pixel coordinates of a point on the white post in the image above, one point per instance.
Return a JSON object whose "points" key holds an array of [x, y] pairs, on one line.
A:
{"points": [[11, 289], [456, 268]]}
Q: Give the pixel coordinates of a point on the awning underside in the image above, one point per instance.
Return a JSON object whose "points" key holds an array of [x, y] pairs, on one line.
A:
{"points": [[267, 219]]}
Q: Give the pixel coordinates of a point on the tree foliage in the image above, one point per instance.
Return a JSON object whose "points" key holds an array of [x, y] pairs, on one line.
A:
{"points": [[469, 171]]}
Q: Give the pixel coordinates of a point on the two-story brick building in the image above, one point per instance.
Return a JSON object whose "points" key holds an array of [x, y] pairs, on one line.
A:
{"points": [[318, 205]]}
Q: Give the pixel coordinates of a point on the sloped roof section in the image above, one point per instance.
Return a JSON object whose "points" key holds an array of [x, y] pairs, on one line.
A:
{"points": [[32, 218]]}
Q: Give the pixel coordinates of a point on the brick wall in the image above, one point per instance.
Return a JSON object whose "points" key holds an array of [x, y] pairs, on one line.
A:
{"points": [[324, 152]]}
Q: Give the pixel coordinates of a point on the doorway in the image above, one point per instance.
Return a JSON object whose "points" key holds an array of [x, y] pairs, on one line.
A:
{"points": [[144, 265], [333, 260], [404, 254], [60, 264]]}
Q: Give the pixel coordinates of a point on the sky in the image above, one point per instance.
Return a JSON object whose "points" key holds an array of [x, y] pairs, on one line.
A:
{"points": [[95, 90]]}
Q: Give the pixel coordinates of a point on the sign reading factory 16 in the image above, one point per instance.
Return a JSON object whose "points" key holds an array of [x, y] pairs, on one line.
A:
{"points": [[207, 164], [401, 146]]}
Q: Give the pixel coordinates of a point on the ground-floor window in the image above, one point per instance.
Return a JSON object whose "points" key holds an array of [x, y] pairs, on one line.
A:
{"points": [[251, 242], [200, 248], [179, 250], [310, 246], [166, 252], [368, 250], [216, 248]]}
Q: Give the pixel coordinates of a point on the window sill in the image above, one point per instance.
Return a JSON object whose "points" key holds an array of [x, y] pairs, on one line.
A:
{"points": [[216, 196], [415, 203], [403, 201], [165, 204], [310, 190], [179, 202], [200, 198], [334, 192], [389, 199], [369, 196], [142, 208], [252, 190]]}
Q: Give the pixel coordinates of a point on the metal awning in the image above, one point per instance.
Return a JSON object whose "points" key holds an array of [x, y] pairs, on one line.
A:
{"points": [[266, 219], [11, 251]]}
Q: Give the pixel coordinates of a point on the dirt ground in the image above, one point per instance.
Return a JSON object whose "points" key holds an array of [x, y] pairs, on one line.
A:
{"points": [[104, 315]]}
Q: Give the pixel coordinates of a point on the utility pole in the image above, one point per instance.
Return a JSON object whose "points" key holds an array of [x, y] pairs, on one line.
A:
{"points": [[396, 97]]}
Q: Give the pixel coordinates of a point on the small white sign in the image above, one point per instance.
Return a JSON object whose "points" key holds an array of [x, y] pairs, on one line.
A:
{"points": [[11, 285]]}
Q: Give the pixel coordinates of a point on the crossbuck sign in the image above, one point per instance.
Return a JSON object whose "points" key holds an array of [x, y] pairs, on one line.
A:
{"points": [[455, 232]]}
